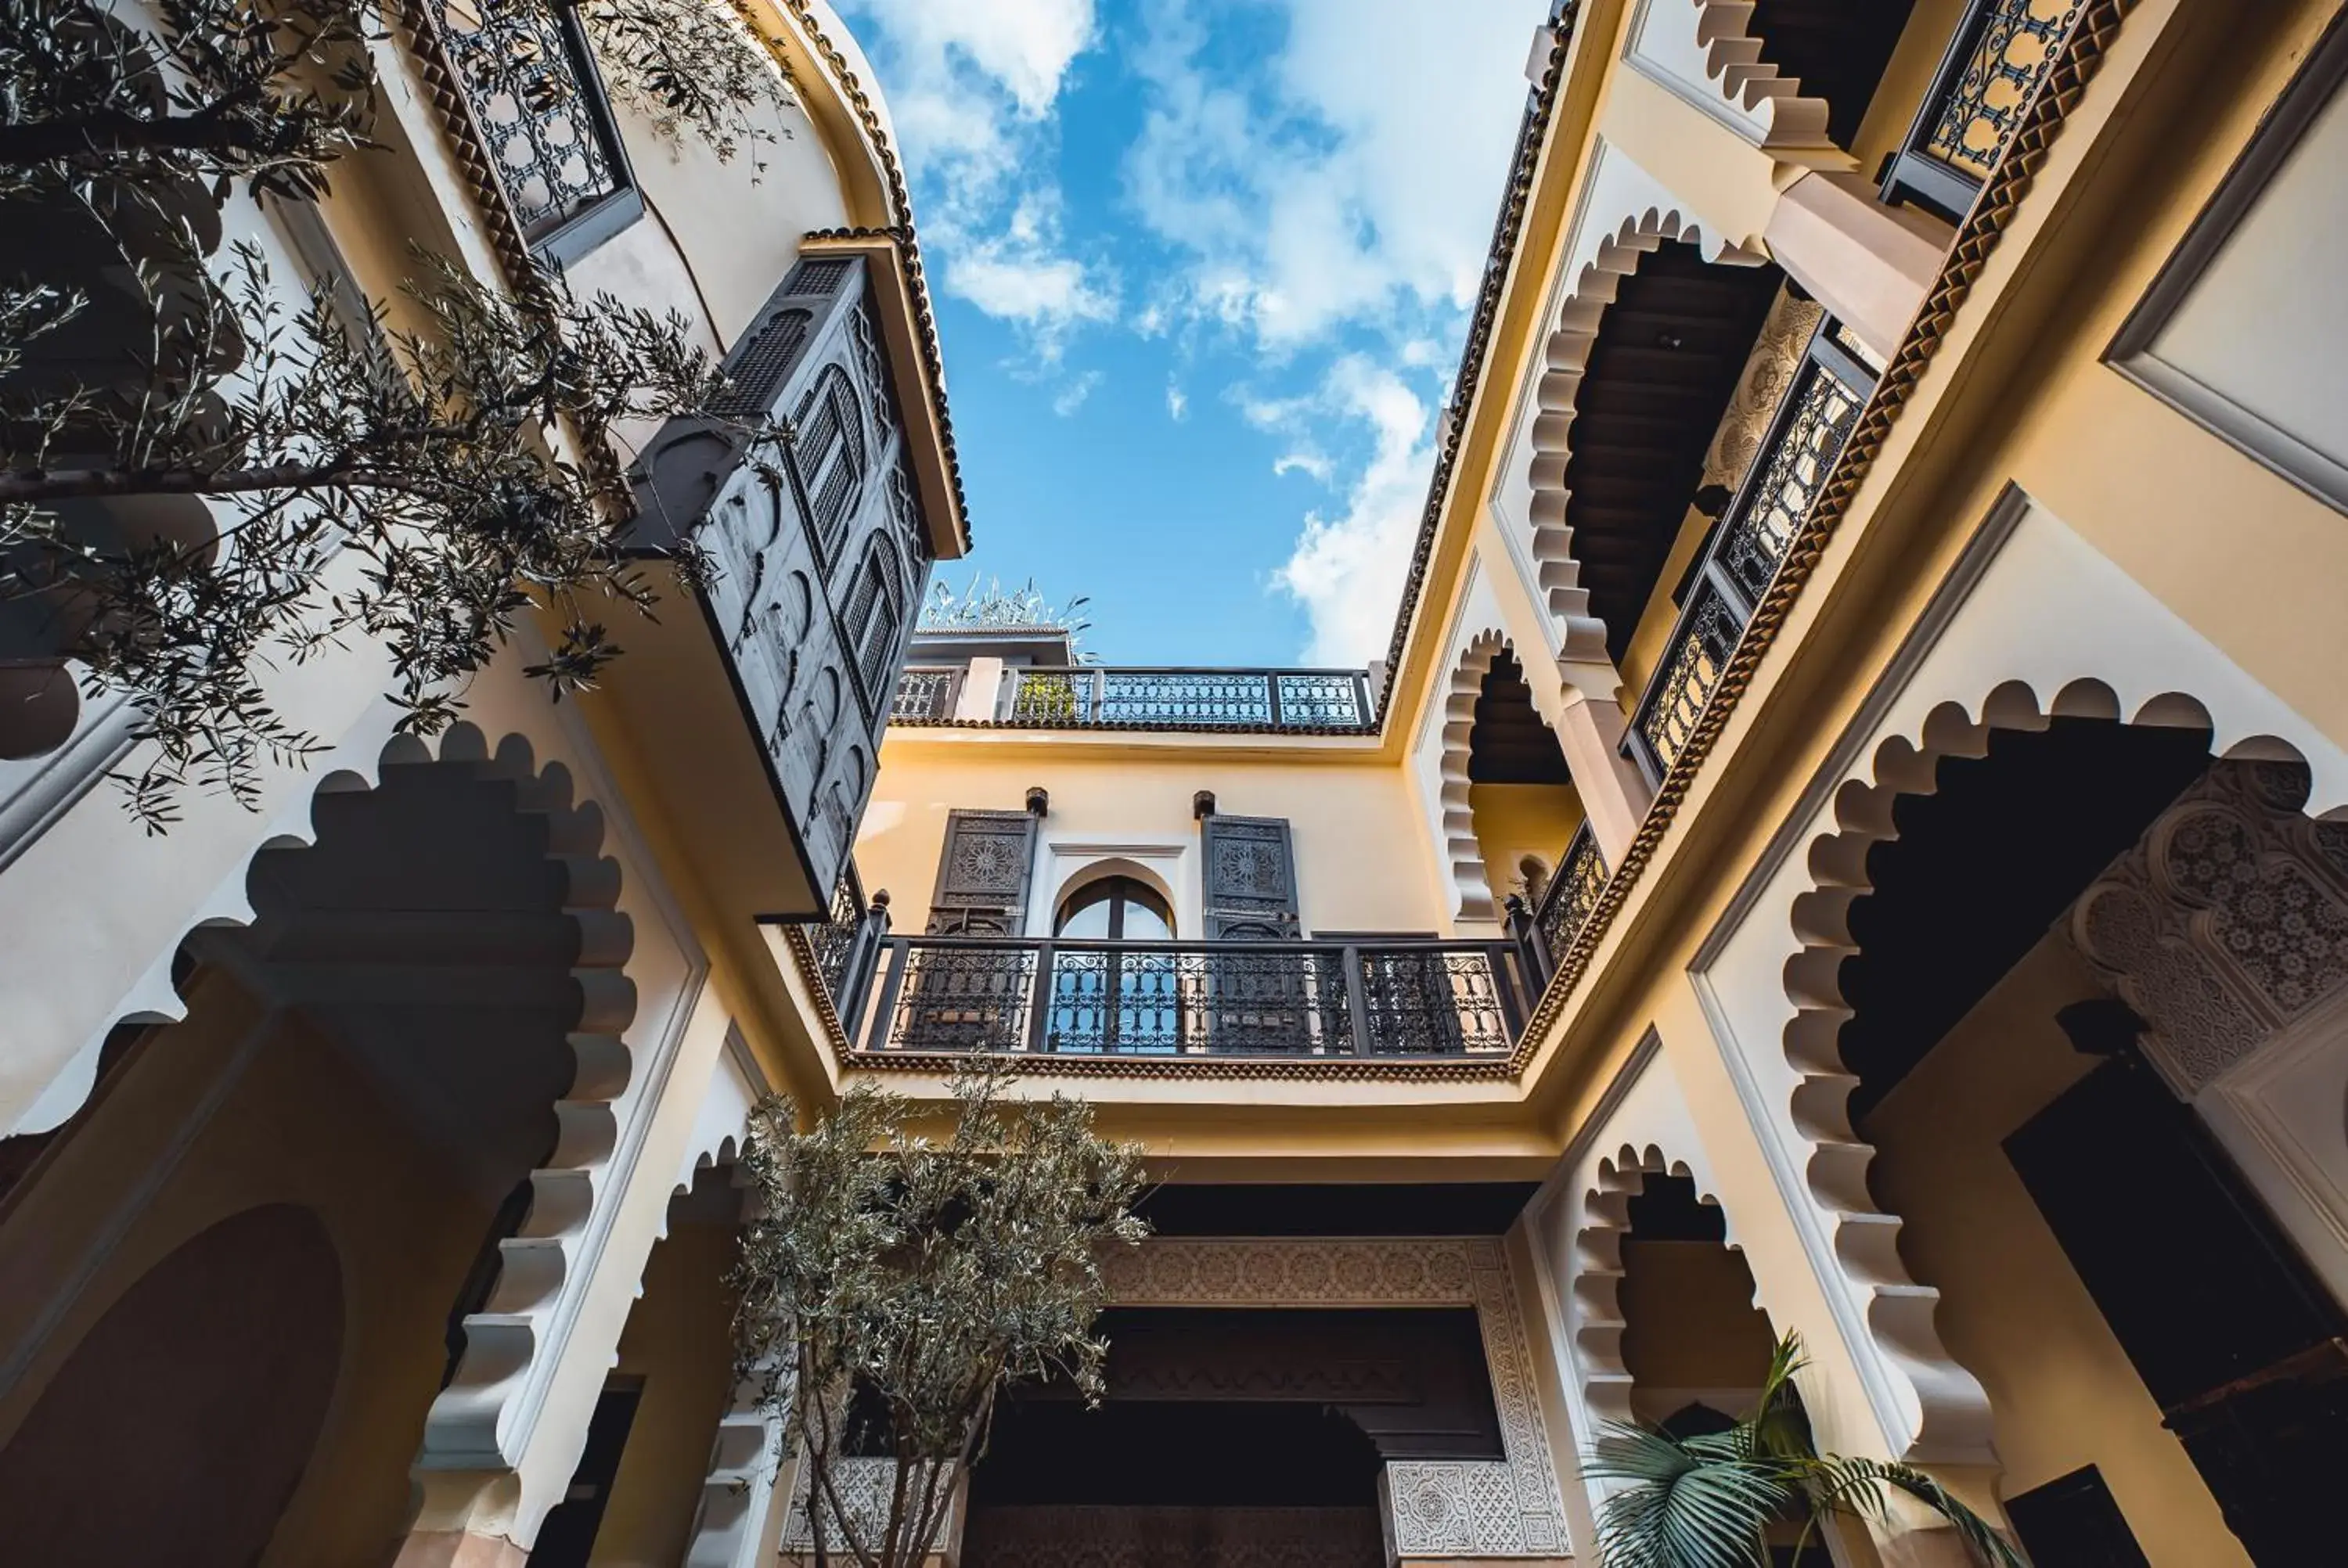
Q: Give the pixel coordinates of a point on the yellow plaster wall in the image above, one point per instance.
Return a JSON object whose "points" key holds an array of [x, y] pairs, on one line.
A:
{"points": [[678, 1341], [1513, 821], [2013, 1311], [1362, 858], [299, 1126], [1689, 1321]]}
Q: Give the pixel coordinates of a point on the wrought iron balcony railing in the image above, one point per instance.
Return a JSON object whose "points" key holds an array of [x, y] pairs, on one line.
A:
{"points": [[926, 696], [530, 77], [1402, 999], [1333, 701], [1999, 52], [1748, 544], [846, 944], [1567, 903]]}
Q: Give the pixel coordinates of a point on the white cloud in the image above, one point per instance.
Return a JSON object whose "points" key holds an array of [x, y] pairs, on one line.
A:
{"points": [[1346, 570], [971, 88], [1072, 397], [1312, 463], [1178, 401], [1343, 185]]}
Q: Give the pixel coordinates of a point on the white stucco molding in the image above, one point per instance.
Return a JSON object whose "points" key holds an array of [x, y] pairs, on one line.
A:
{"points": [[2031, 624], [1704, 52], [1471, 883], [1625, 216]]}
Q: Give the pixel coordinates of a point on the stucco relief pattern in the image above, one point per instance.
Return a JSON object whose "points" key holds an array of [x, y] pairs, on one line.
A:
{"points": [[2228, 921], [1761, 386], [1508, 1508], [864, 1488]]}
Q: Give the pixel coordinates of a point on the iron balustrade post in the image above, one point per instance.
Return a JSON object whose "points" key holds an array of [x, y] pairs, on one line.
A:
{"points": [[1357, 1002], [1039, 1008], [899, 953], [1272, 695], [864, 962], [1506, 989], [1524, 934]]}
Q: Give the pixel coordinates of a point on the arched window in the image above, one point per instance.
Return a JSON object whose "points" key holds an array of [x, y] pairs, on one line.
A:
{"points": [[876, 614], [1118, 908], [830, 453]]}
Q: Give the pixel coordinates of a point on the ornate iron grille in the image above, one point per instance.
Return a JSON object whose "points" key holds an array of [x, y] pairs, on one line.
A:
{"points": [[1191, 699], [533, 84], [963, 996], [1199, 999], [1572, 894], [1435, 1002], [762, 363], [926, 696], [1974, 116], [1707, 635], [1333, 699], [1160, 1000], [1807, 438]]}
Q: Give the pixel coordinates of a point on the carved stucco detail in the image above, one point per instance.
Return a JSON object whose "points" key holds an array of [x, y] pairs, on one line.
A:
{"points": [[1508, 1508], [2227, 921], [1768, 375], [1732, 58], [865, 1485], [1952, 1410], [1598, 1273], [1582, 636], [1471, 883]]}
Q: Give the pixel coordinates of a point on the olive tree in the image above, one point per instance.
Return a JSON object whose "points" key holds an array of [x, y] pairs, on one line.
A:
{"points": [[420, 478], [891, 1284]]}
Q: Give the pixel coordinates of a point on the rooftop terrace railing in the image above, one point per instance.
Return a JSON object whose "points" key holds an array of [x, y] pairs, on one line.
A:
{"points": [[1334, 701], [1393, 1000]]}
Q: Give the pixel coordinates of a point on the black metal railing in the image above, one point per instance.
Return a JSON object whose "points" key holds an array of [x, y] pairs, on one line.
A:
{"points": [[846, 944], [1567, 903], [926, 696], [1404, 999], [1335, 699], [1805, 437], [530, 75], [1999, 52]]}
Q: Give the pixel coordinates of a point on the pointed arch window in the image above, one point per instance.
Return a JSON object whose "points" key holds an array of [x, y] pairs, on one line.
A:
{"points": [[829, 456], [876, 615]]}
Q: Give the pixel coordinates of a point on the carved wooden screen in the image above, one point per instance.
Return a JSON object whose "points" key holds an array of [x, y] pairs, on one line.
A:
{"points": [[793, 538], [1251, 896], [1251, 879], [983, 875]]}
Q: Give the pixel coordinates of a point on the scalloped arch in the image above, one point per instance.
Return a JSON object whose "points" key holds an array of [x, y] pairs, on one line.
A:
{"points": [[1732, 58], [1951, 1406], [1582, 636], [470, 1417], [1598, 1270], [1471, 885]]}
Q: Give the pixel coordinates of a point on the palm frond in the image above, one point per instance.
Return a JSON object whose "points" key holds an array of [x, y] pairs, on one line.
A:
{"points": [[1857, 1486], [1688, 1503]]}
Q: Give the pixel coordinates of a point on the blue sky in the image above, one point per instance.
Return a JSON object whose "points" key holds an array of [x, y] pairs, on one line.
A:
{"points": [[1202, 270]]}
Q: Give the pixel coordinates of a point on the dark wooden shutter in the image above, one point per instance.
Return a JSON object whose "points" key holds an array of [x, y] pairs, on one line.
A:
{"points": [[983, 875], [2074, 1520], [1251, 879]]}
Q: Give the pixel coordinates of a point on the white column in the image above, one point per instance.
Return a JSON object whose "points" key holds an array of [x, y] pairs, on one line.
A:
{"points": [[981, 689], [1871, 265]]}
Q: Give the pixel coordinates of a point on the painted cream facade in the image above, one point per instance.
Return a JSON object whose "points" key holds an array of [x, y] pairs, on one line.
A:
{"points": [[1855, 760]]}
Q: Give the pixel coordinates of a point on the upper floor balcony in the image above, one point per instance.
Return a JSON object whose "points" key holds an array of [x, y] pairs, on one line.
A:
{"points": [[1051, 697]]}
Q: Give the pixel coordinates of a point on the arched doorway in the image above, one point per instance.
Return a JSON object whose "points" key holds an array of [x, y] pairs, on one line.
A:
{"points": [[411, 1040], [2163, 1365], [1520, 794], [1233, 1436], [213, 1373], [1694, 1344], [1836, 49]]}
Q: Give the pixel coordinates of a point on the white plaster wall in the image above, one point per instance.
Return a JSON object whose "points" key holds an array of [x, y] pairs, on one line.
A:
{"points": [[2046, 610]]}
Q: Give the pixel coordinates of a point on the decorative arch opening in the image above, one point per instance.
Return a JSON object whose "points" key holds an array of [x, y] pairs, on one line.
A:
{"points": [[829, 456], [1472, 896], [215, 1368], [1668, 1318], [1812, 66], [1521, 798], [1647, 356], [2016, 1161], [1120, 894], [417, 1032]]}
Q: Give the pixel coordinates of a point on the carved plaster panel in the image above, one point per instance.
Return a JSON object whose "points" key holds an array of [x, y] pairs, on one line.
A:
{"points": [[2227, 921], [1761, 386], [1504, 1508]]}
